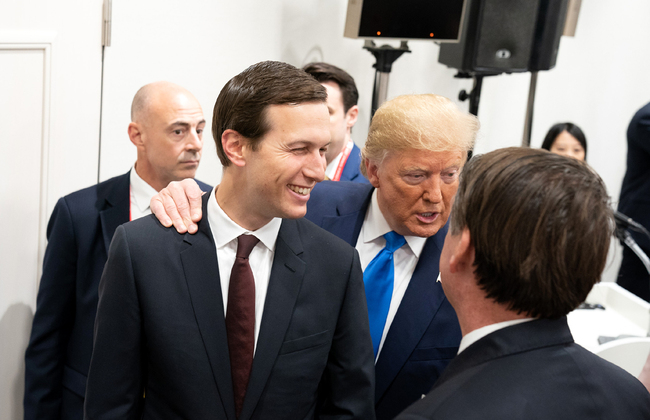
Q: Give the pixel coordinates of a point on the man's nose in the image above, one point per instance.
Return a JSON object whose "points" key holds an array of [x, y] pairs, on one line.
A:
{"points": [[194, 142], [432, 191], [315, 166]]}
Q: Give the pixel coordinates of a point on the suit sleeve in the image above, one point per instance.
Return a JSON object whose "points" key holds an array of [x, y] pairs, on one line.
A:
{"points": [[350, 374], [53, 320], [116, 376], [642, 138]]}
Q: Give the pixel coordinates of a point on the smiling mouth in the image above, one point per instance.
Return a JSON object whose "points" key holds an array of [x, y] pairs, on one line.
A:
{"points": [[299, 190]]}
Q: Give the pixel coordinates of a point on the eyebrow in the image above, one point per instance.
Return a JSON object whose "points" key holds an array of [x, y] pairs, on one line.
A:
{"points": [[185, 123], [305, 143]]}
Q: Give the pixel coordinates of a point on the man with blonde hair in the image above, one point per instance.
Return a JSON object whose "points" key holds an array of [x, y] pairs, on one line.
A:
{"points": [[416, 147]]}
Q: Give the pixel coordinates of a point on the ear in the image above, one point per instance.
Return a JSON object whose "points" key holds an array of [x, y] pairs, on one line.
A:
{"points": [[373, 172], [135, 135], [351, 116], [233, 146], [462, 257]]}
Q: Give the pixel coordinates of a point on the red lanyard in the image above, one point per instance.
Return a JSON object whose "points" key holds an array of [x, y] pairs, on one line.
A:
{"points": [[344, 158]]}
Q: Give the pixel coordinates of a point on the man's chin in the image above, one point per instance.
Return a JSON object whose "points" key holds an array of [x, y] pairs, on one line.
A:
{"points": [[296, 212], [424, 231]]}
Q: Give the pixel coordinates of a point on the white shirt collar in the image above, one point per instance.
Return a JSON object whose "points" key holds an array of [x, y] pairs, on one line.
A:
{"points": [[330, 170], [473, 336], [228, 230], [141, 192], [375, 225]]}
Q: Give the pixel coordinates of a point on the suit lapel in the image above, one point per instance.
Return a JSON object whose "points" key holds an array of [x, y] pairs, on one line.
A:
{"points": [[349, 219], [420, 304], [284, 285], [113, 204], [202, 275]]}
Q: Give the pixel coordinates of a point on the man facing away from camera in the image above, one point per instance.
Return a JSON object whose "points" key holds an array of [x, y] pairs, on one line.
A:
{"points": [[260, 314], [529, 237], [415, 151]]}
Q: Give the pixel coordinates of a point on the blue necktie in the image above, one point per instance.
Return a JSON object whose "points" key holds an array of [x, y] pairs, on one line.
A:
{"points": [[378, 279]]}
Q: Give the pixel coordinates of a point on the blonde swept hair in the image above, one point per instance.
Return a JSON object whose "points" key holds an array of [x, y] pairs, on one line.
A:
{"points": [[424, 122]]}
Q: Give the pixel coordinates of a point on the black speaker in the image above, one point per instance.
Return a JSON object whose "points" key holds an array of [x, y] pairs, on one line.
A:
{"points": [[505, 36]]}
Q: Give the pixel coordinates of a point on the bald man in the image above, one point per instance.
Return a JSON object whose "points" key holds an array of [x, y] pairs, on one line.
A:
{"points": [[166, 128]]}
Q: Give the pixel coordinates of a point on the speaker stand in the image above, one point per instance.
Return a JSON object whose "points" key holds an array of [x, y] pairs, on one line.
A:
{"points": [[475, 95], [385, 56], [528, 125]]}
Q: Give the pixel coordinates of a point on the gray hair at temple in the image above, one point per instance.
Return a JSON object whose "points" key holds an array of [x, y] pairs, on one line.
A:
{"points": [[424, 122]]}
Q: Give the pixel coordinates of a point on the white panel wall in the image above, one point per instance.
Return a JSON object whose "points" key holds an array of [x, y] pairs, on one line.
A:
{"points": [[24, 70], [50, 66]]}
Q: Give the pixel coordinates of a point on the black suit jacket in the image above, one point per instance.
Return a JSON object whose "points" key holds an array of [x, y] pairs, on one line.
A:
{"points": [[530, 371], [425, 334], [160, 328], [79, 234], [635, 202]]}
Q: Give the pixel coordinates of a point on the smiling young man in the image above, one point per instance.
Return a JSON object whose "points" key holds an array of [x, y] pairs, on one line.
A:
{"points": [[261, 314], [414, 153]]}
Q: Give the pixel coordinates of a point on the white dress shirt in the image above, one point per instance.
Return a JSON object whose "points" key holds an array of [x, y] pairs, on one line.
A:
{"points": [[141, 195], [473, 336], [371, 241], [330, 170], [225, 233]]}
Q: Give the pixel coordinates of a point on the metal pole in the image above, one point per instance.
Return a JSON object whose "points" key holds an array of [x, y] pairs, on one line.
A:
{"points": [[528, 126], [380, 91]]}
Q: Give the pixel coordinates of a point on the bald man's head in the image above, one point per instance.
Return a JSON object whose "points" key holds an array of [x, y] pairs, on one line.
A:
{"points": [[167, 128]]}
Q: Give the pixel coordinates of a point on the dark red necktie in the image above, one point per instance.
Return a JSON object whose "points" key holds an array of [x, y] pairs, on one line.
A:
{"points": [[240, 319]]}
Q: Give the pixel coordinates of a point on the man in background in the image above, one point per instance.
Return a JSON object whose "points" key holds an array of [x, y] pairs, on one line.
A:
{"points": [[635, 203], [343, 156], [415, 151], [529, 237], [166, 128]]}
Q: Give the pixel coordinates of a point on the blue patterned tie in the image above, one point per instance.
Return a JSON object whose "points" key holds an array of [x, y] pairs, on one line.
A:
{"points": [[378, 278]]}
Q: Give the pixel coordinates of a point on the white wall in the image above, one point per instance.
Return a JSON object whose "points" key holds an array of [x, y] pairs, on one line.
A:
{"points": [[50, 66]]}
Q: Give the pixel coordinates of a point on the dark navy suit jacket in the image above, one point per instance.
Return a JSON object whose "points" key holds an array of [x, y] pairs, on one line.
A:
{"points": [[161, 327], [79, 234], [532, 371], [351, 170], [635, 201], [425, 334]]}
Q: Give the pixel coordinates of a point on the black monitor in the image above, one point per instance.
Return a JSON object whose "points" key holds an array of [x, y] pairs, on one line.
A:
{"points": [[437, 20]]}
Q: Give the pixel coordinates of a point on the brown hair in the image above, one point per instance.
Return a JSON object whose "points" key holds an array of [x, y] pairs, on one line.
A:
{"points": [[324, 72], [242, 103], [425, 122], [540, 224]]}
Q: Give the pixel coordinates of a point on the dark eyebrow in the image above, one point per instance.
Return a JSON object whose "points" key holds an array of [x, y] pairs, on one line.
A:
{"points": [[305, 143]]}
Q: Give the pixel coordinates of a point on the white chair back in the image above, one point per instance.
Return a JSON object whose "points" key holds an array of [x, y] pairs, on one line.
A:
{"points": [[628, 353]]}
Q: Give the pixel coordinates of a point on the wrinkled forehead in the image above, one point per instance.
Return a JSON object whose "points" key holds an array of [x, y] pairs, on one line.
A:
{"points": [[432, 158]]}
